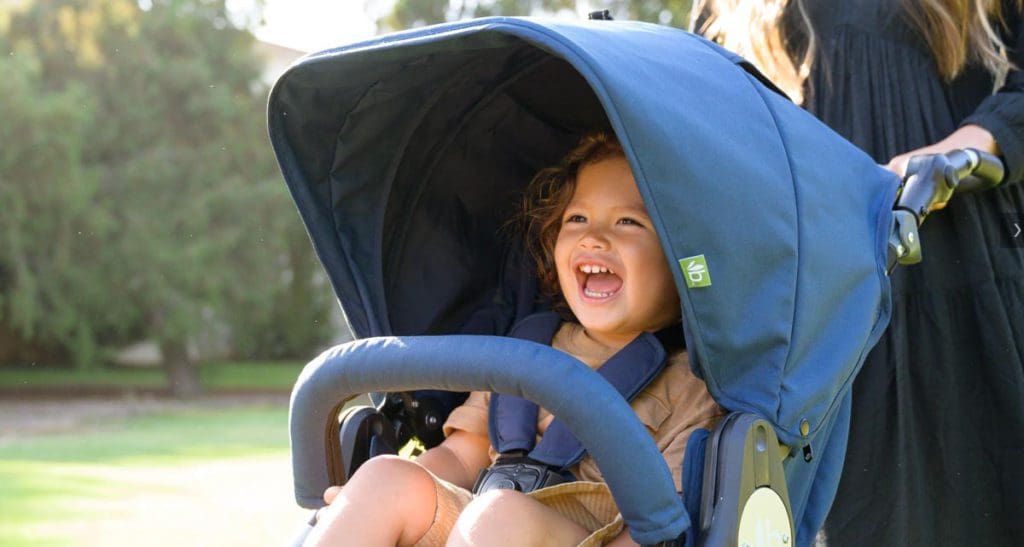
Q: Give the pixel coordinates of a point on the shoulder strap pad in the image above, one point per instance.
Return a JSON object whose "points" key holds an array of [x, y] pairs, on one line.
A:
{"points": [[513, 420]]}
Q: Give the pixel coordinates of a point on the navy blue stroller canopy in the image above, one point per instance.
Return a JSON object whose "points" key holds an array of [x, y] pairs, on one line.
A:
{"points": [[407, 154]]}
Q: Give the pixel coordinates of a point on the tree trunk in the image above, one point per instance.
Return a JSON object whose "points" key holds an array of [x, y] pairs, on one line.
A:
{"points": [[182, 373]]}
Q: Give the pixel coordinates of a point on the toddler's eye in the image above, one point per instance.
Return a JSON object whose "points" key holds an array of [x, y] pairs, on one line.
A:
{"points": [[631, 221], [575, 218]]}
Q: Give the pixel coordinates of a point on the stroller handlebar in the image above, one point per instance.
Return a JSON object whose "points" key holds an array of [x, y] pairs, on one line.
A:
{"points": [[930, 182], [632, 466], [931, 179]]}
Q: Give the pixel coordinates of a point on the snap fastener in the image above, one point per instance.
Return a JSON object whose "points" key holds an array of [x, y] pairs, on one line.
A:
{"points": [[805, 427]]}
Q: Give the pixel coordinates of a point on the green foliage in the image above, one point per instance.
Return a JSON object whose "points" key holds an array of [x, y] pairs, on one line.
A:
{"points": [[141, 187], [415, 13], [674, 13], [235, 376], [47, 223]]}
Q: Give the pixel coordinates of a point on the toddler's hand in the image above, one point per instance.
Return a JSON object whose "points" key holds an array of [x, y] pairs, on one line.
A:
{"points": [[331, 493]]}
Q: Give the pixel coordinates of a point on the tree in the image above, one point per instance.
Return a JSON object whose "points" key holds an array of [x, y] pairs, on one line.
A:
{"points": [[184, 224], [414, 13], [45, 195]]}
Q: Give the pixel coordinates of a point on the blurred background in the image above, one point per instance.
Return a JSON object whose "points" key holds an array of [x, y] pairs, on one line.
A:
{"points": [[158, 293]]}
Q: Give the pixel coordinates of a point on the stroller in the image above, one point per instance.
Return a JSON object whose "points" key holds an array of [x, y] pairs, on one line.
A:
{"points": [[406, 155]]}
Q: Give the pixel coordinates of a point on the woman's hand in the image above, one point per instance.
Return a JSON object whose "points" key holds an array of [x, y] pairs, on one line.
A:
{"points": [[968, 136]]}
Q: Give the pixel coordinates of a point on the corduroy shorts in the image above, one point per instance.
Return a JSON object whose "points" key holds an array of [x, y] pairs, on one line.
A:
{"points": [[588, 504]]}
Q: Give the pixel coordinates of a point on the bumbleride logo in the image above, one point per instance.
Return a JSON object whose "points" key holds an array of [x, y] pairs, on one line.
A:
{"points": [[695, 270]]}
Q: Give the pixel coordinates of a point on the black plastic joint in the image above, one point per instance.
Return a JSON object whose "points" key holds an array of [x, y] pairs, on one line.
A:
{"points": [[679, 542], [600, 15]]}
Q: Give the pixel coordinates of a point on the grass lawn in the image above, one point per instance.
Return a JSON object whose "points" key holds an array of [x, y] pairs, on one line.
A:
{"points": [[214, 376], [195, 476]]}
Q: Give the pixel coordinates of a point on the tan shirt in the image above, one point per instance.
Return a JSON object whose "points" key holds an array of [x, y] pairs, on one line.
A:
{"points": [[672, 406]]}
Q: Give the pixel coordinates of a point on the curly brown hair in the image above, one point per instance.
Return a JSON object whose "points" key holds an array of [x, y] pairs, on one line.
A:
{"points": [[544, 203]]}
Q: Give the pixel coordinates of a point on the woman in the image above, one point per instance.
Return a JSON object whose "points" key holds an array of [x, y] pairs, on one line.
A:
{"points": [[936, 453]]}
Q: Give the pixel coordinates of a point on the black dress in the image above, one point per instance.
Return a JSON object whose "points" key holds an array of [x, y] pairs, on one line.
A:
{"points": [[936, 450]]}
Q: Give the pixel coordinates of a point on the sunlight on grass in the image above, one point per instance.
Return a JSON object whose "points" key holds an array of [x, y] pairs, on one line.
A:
{"points": [[190, 477], [187, 434]]}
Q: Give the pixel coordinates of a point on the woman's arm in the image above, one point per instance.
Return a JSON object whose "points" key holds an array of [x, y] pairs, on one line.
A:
{"points": [[968, 136], [997, 124]]}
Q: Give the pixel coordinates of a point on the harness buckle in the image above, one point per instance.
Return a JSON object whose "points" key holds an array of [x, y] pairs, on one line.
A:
{"points": [[516, 471]]}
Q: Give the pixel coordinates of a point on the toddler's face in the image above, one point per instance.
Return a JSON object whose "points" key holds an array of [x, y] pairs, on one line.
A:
{"points": [[611, 269]]}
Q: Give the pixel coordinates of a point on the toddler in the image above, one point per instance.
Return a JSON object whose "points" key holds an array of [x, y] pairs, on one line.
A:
{"points": [[601, 264]]}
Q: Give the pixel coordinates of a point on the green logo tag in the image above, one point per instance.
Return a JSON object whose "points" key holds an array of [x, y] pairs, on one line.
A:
{"points": [[695, 269]]}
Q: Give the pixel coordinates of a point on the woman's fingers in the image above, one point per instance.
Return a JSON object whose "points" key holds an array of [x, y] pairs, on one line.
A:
{"points": [[898, 165]]}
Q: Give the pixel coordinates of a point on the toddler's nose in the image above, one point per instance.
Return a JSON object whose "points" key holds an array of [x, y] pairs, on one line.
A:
{"points": [[594, 239]]}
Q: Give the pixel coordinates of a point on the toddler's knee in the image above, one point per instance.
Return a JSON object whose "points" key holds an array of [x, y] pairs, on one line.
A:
{"points": [[501, 502], [494, 513], [506, 517], [394, 483], [388, 469]]}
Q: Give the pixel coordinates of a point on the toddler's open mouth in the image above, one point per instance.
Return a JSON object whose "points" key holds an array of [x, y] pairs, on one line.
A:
{"points": [[597, 281]]}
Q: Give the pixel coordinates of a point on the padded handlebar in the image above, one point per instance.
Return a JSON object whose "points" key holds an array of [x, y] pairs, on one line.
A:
{"points": [[593, 410]]}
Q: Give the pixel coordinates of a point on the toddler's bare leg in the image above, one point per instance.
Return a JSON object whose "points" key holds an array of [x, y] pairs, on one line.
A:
{"points": [[506, 517], [389, 501]]}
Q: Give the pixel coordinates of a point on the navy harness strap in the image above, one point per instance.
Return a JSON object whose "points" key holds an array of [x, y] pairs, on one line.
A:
{"points": [[513, 420]]}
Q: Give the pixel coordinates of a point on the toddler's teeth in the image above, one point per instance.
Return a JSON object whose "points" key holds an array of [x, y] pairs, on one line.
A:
{"points": [[592, 269], [595, 294]]}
